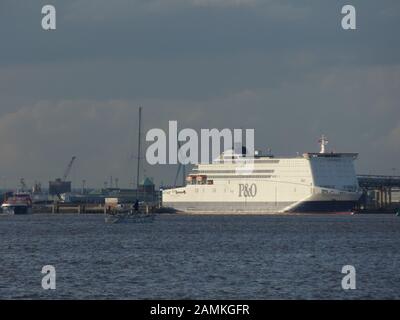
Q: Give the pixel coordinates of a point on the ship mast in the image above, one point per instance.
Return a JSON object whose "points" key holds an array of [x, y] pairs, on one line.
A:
{"points": [[180, 166], [323, 141], [138, 153]]}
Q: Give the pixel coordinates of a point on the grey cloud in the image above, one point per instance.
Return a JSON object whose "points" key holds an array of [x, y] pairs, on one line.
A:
{"points": [[126, 29], [284, 68], [343, 104]]}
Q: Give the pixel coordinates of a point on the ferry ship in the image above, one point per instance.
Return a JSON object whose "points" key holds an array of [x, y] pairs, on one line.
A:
{"points": [[322, 182], [19, 203]]}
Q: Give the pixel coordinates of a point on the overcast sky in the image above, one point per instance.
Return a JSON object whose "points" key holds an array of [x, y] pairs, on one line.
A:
{"points": [[285, 68]]}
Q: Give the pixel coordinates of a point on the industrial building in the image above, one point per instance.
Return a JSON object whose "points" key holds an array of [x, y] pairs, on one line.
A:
{"points": [[380, 192]]}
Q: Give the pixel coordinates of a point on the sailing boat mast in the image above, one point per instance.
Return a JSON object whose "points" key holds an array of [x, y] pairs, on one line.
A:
{"points": [[138, 157], [183, 175], [180, 166]]}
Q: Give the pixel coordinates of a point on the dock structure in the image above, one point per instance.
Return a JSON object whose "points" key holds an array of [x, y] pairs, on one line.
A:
{"points": [[70, 208], [76, 208], [380, 192]]}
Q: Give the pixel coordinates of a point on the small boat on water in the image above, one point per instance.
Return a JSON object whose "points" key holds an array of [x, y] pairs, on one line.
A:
{"points": [[18, 203]]}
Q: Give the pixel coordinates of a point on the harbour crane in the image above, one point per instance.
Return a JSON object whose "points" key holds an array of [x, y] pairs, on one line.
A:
{"points": [[61, 185], [68, 169]]}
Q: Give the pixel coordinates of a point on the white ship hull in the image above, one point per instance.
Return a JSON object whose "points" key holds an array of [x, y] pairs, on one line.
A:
{"points": [[311, 183], [314, 203]]}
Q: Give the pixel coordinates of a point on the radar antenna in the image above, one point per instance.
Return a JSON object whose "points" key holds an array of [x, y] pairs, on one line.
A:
{"points": [[323, 141]]}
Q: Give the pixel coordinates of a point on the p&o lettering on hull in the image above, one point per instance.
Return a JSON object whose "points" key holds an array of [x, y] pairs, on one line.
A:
{"points": [[247, 190]]}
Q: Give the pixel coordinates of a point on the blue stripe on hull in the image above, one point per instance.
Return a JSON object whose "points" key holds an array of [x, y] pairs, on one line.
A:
{"points": [[262, 207], [225, 207], [325, 206]]}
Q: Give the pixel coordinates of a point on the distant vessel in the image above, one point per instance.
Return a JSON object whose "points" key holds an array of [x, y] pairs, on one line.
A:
{"points": [[18, 203], [313, 182]]}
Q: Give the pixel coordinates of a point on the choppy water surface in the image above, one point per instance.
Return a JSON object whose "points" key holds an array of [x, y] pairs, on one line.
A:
{"points": [[200, 257]]}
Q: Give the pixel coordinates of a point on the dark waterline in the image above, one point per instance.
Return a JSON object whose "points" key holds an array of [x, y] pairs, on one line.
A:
{"points": [[200, 257]]}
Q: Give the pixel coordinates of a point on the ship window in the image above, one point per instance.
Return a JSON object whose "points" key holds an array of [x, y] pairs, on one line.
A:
{"points": [[232, 171], [239, 176], [267, 161]]}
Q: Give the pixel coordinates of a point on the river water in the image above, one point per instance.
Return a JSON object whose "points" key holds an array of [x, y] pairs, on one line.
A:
{"points": [[200, 257]]}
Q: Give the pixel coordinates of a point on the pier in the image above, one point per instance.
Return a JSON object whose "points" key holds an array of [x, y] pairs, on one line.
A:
{"points": [[379, 192], [59, 208], [62, 208]]}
